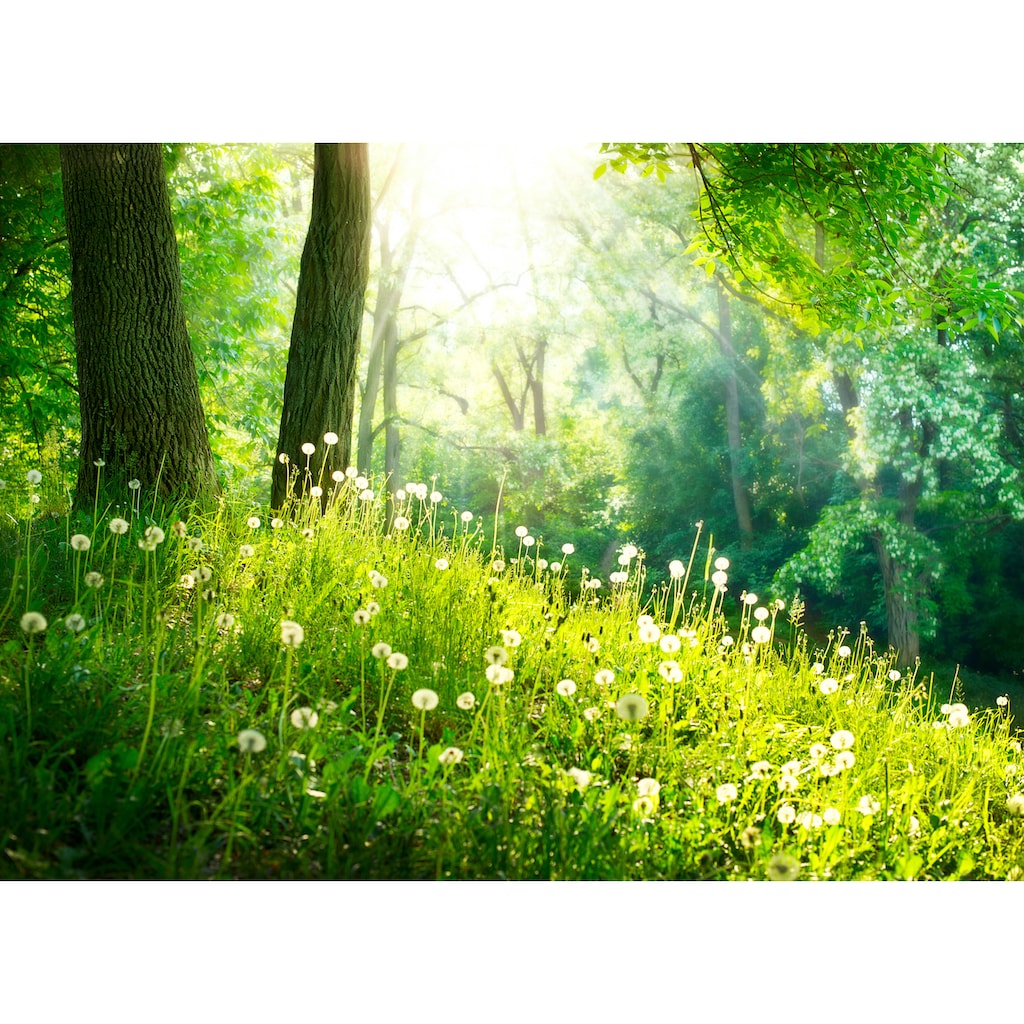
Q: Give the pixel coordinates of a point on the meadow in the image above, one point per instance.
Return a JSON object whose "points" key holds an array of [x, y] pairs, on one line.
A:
{"points": [[362, 688]]}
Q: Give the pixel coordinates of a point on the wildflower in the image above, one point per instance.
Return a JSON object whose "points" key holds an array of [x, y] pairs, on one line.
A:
{"points": [[604, 677], [338, 477], [593, 644], [669, 643], [330, 438], [253, 522], [315, 492], [1002, 701], [401, 523], [360, 616], [760, 634], [304, 718], [450, 756], [719, 578], [759, 770], [246, 551], [282, 457], [843, 651], [292, 634], [529, 541], [556, 567], [580, 777], [75, 623], [845, 759], [786, 815], [726, 792], [787, 783], [818, 751], [441, 563], [424, 700], [761, 614], [34, 476], [894, 676], [618, 577], [817, 668], [366, 494], [591, 714], [93, 580], [809, 820], [308, 448], [251, 741], [467, 516], [498, 565], [842, 739], [436, 496], [511, 637], [499, 674], [276, 524], [33, 622], [565, 687], [521, 531], [721, 564], [1015, 804], [676, 569], [868, 805], [749, 599], [118, 526], [958, 717], [381, 650], [79, 542], [649, 633], [828, 686], [648, 787], [495, 655], [377, 580], [195, 544], [568, 549], [749, 837], [630, 551], [187, 581], [783, 868], [373, 608], [831, 816], [644, 806], [670, 671], [398, 661], [727, 641], [631, 707], [542, 564], [225, 620], [134, 485], [465, 701]]}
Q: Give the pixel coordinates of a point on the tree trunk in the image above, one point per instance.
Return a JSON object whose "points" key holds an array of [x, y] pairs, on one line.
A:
{"points": [[390, 396], [138, 391], [900, 611], [740, 497], [320, 382]]}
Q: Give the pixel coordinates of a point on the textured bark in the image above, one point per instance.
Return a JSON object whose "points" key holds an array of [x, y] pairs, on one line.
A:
{"points": [[138, 392], [320, 382]]}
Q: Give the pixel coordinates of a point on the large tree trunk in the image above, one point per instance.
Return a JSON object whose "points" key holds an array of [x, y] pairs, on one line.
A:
{"points": [[320, 382], [138, 391], [900, 610]]}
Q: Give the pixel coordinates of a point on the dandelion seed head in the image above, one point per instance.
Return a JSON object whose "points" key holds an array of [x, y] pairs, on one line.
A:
{"points": [[401, 523], [134, 485], [499, 674], [568, 549], [565, 687], [649, 633], [843, 651], [251, 741], [466, 701], [581, 777], [648, 787], [591, 714], [749, 599], [676, 569], [868, 805], [381, 650], [521, 531], [786, 814], [308, 448], [828, 686], [831, 816], [330, 438], [253, 522], [292, 634], [726, 792], [604, 677], [424, 700], [398, 661], [304, 718], [722, 564], [80, 542], [118, 526], [75, 623], [225, 620], [93, 580], [511, 637], [631, 707], [34, 476], [761, 614], [361, 616], [441, 563], [246, 551], [760, 634], [450, 756], [842, 739], [845, 759], [33, 622], [719, 578]]}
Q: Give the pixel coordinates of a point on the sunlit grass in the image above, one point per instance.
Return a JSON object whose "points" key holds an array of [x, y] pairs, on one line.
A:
{"points": [[241, 693]]}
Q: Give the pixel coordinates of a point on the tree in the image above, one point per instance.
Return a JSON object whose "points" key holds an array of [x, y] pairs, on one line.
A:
{"points": [[138, 393], [320, 380]]}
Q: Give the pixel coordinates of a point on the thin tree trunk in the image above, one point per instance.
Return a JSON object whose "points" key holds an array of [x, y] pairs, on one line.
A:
{"points": [[320, 383], [740, 496], [138, 391]]}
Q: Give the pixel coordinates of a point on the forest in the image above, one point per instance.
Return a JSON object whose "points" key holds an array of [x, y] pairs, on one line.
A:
{"points": [[614, 511], [813, 350]]}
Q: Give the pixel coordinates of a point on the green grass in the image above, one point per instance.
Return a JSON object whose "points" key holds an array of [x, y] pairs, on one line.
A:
{"points": [[182, 727]]}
